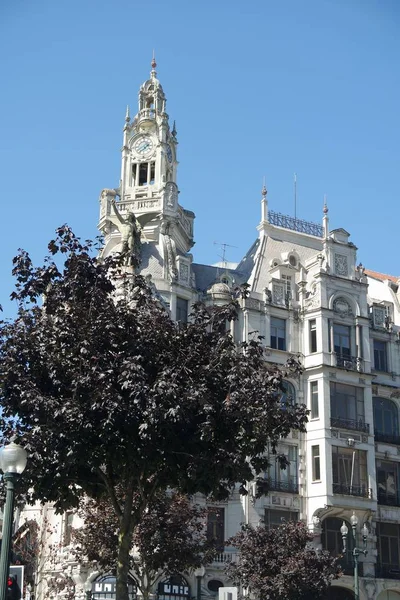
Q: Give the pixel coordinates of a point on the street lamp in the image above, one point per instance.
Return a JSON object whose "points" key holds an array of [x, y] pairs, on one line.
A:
{"points": [[344, 530], [12, 462], [199, 574]]}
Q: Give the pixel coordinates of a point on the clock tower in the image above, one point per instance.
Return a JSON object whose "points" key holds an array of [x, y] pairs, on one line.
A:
{"points": [[148, 190]]}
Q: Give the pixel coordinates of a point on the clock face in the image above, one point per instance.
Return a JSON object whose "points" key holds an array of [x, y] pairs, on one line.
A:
{"points": [[169, 153], [143, 145]]}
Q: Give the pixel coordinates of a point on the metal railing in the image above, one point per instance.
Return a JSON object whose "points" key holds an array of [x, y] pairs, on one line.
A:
{"points": [[352, 490], [294, 224], [388, 571], [388, 499], [274, 485], [388, 438], [353, 424], [350, 363]]}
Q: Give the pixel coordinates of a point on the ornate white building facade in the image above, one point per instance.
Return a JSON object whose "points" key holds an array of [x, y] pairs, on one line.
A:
{"points": [[307, 297]]}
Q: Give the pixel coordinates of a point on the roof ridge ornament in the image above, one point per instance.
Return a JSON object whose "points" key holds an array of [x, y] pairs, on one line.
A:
{"points": [[325, 209], [153, 65]]}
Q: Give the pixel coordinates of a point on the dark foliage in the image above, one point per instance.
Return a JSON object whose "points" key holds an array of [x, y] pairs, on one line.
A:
{"points": [[170, 538], [278, 564], [109, 391]]}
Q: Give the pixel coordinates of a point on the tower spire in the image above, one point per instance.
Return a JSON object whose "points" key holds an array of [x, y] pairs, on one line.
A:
{"points": [[264, 210], [153, 65], [325, 220]]}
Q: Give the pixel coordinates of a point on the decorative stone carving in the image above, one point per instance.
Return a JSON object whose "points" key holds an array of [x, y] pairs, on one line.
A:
{"points": [[342, 308], [278, 294], [341, 265], [171, 195], [370, 588], [170, 252], [379, 316], [129, 229], [183, 271]]}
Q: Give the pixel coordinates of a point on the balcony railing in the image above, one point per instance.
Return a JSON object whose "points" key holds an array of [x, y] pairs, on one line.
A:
{"points": [[353, 424], [224, 557], [350, 363], [292, 487], [294, 224], [388, 499], [388, 571], [388, 438], [352, 490]]}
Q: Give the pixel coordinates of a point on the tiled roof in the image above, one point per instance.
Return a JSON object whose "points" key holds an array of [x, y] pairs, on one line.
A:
{"points": [[381, 276]]}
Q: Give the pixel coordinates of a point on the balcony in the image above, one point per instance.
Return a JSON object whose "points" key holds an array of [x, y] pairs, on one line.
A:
{"points": [[350, 363], [353, 424], [388, 571], [388, 499], [224, 557], [290, 487], [387, 438], [352, 490]]}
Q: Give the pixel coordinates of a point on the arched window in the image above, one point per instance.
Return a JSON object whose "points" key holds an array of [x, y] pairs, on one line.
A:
{"points": [[386, 420], [339, 593], [174, 588], [332, 540], [288, 393], [104, 588]]}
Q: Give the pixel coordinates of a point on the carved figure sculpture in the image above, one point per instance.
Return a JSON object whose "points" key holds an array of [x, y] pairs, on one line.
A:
{"points": [[129, 229]]}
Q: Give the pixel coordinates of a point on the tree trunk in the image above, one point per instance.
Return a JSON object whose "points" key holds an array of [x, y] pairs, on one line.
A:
{"points": [[124, 546], [125, 540]]}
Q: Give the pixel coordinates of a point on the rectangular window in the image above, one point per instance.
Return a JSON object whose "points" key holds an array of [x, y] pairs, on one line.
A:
{"points": [[380, 356], [349, 468], [388, 546], [314, 404], [134, 171], [68, 517], [387, 478], [316, 463], [216, 527], [278, 333], [347, 407], [284, 480], [313, 335], [143, 170], [274, 518], [181, 310], [152, 172], [341, 343]]}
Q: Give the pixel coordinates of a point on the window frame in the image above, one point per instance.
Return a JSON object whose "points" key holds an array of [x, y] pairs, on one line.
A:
{"points": [[312, 324], [314, 399], [316, 463], [275, 328], [381, 362], [283, 515]]}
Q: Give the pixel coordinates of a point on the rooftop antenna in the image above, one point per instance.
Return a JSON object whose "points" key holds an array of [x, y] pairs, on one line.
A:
{"points": [[295, 195], [223, 247]]}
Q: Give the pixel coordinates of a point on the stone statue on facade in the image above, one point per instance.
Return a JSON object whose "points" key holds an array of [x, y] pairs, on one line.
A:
{"points": [[130, 230]]}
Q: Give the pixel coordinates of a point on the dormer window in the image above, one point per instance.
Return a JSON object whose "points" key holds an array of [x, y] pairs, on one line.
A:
{"points": [[293, 260]]}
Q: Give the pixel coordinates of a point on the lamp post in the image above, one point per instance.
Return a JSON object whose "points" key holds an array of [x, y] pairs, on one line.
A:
{"points": [[199, 574], [12, 463], [344, 530]]}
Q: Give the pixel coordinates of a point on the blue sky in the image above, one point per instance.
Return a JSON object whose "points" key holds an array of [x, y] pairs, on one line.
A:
{"points": [[257, 88]]}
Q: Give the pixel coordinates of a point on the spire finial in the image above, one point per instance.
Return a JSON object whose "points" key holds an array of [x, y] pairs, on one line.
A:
{"points": [[264, 191], [325, 209], [174, 131], [153, 62], [127, 116]]}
